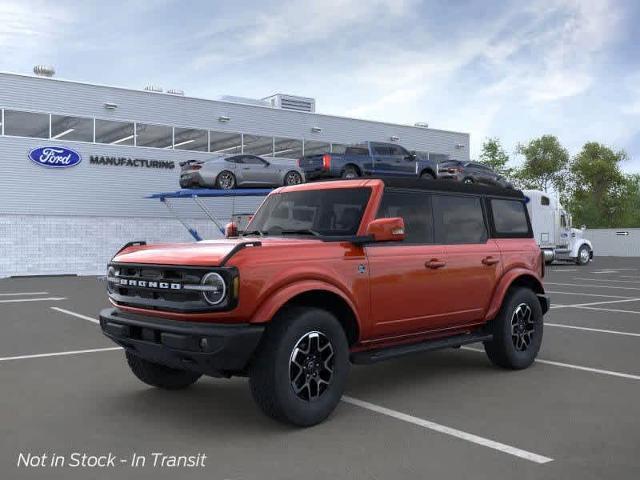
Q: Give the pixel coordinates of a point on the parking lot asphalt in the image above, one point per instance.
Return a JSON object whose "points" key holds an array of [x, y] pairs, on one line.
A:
{"points": [[65, 388]]}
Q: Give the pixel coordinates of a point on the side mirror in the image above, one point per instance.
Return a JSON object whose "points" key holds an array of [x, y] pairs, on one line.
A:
{"points": [[386, 229], [583, 228], [230, 230]]}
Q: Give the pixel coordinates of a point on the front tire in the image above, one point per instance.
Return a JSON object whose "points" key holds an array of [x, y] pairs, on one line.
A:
{"points": [[160, 376], [468, 180], [225, 180], [584, 255], [517, 331], [427, 176], [301, 367]]}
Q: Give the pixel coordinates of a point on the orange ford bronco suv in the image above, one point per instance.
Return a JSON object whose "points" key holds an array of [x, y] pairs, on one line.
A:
{"points": [[329, 274]]}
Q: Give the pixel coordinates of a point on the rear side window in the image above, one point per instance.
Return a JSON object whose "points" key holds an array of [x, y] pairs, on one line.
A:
{"points": [[458, 220], [510, 218], [359, 150], [415, 210], [544, 201]]}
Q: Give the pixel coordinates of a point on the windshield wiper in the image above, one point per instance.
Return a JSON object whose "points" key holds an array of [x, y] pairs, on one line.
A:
{"points": [[301, 231]]}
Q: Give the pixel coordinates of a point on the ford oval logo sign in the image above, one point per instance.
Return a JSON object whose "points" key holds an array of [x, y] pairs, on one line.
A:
{"points": [[55, 157]]}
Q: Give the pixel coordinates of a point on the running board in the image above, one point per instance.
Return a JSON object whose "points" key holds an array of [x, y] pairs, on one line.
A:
{"points": [[380, 354]]}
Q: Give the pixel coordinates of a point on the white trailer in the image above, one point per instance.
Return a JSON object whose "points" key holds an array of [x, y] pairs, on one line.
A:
{"points": [[553, 231]]}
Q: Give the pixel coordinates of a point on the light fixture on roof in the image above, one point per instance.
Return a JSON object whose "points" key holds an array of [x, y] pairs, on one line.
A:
{"points": [[44, 70], [62, 134], [421, 124], [459, 145], [175, 91], [153, 88], [394, 138], [110, 105], [223, 118], [316, 129]]}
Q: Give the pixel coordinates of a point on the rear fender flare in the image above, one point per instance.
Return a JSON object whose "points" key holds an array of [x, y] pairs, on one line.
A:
{"points": [[278, 299], [508, 279]]}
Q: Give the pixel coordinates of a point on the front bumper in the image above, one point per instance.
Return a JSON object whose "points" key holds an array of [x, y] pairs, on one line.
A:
{"points": [[211, 349]]}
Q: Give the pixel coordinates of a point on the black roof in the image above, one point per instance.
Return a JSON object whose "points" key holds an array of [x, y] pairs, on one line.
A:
{"points": [[448, 186]]}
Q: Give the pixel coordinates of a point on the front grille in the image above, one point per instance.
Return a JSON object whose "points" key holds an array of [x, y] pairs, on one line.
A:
{"points": [[153, 287]]}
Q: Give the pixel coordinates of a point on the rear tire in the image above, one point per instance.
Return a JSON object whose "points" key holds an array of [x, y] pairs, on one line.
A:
{"points": [[225, 180], [468, 180], [517, 330], [350, 172], [584, 255], [302, 395], [160, 376], [427, 176], [292, 178]]}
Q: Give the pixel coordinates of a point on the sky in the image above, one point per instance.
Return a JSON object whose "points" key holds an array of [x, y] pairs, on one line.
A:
{"points": [[508, 69]]}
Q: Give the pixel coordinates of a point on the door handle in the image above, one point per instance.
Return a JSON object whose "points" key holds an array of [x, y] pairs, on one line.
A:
{"points": [[490, 260], [434, 263]]}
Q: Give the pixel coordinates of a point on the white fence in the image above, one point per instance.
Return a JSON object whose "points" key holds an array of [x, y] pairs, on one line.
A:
{"points": [[615, 242]]}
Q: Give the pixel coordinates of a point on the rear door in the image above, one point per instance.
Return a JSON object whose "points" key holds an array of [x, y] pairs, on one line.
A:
{"points": [[473, 262]]}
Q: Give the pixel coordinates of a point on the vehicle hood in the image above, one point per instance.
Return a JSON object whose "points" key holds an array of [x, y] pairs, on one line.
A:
{"points": [[205, 253]]}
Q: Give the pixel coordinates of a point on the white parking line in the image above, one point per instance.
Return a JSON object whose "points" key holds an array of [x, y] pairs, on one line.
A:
{"points": [[59, 354], [615, 310], [20, 300], [585, 294], [74, 314], [591, 286], [576, 305], [485, 442], [574, 367], [588, 329], [22, 293], [607, 280], [563, 270]]}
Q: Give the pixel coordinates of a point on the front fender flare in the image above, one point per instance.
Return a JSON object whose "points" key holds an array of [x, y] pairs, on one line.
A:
{"points": [[275, 302], [507, 280]]}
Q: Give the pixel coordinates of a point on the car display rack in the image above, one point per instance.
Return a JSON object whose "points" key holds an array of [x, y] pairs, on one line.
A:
{"points": [[196, 195]]}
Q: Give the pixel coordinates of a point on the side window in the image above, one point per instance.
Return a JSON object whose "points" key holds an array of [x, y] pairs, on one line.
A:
{"points": [[509, 217], [397, 150], [238, 159], [415, 209], [251, 160], [544, 201], [380, 149], [458, 220]]}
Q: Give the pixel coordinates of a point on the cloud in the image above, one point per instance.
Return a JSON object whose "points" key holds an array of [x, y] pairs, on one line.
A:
{"points": [[27, 26]]}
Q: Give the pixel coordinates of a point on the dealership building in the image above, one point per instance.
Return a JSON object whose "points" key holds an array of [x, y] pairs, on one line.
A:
{"points": [[127, 144]]}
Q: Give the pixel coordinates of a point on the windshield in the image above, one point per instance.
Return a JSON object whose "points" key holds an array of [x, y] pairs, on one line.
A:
{"points": [[327, 212]]}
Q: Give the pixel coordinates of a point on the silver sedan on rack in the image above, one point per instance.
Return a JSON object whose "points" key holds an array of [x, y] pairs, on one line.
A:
{"points": [[226, 172]]}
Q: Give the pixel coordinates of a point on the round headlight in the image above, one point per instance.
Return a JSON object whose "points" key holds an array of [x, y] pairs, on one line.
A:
{"points": [[216, 289], [111, 274]]}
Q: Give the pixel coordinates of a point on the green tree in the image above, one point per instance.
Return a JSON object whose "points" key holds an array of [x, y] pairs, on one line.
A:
{"points": [[545, 164], [494, 156], [601, 194]]}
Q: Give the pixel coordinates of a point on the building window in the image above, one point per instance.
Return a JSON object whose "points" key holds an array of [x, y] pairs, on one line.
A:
{"points": [[114, 133], [26, 124], [71, 128], [257, 145], [225, 143], [190, 139], [312, 147], [157, 136], [338, 148], [287, 148]]}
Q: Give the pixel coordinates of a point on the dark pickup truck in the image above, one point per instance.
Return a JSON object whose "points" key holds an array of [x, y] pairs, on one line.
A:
{"points": [[369, 158]]}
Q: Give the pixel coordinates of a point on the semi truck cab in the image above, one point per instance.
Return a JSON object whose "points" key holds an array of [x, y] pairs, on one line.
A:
{"points": [[553, 230]]}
